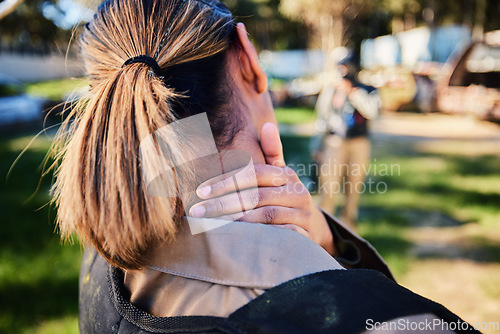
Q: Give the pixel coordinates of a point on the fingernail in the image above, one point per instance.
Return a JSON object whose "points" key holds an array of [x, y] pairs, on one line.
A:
{"points": [[198, 211], [204, 191]]}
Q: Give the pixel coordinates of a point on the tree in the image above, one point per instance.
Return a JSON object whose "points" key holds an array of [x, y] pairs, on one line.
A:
{"points": [[268, 28], [324, 18], [405, 13], [28, 29], [479, 15], [329, 19]]}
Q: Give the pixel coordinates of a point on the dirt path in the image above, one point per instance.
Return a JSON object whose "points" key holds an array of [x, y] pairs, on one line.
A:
{"points": [[435, 126], [456, 264]]}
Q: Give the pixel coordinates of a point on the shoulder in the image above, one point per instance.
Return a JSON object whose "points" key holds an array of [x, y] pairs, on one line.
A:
{"points": [[329, 301]]}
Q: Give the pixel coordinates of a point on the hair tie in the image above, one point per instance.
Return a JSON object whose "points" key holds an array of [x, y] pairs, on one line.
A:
{"points": [[150, 61]]}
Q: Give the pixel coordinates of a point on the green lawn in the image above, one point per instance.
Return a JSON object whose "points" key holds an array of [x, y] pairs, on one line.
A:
{"points": [[295, 115], [38, 275], [57, 90], [460, 189], [463, 189]]}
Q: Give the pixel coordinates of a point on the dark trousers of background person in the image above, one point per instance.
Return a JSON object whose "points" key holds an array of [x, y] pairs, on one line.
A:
{"points": [[343, 170]]}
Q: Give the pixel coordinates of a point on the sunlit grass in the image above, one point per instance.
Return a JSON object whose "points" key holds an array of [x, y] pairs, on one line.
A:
{"points": [[465, 188], [38, 275], [57, 90], [295, 115], [60, 325], [388, 234]]}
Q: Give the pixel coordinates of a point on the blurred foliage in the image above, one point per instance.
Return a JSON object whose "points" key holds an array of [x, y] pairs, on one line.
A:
{"points": [[479, 12], [348, 22], [28, 29], [283, 24], [329, 20], [267, 26], [10, 89]]}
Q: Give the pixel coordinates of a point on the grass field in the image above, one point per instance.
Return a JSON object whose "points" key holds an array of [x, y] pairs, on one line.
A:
{"points": [[295, 115], [38, 275], [441, 217], [57, 90]]}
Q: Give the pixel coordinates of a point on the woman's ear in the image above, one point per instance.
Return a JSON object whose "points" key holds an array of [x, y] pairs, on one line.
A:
{"points": [[249, 62]]}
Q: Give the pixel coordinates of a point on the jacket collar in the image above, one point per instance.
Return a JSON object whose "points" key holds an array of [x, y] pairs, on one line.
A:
{"points": [[242, 254]]}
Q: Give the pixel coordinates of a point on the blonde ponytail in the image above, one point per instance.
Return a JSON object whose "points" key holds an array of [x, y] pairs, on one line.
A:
{"points": [[99, 190]]}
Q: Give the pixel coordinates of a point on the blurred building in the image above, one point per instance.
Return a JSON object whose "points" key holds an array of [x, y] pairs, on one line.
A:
{"points": [[39, 67], [405, 66], [412, 47]]}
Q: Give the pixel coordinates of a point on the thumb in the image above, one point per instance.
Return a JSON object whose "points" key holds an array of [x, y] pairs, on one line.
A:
{"points": [[270, 143]]}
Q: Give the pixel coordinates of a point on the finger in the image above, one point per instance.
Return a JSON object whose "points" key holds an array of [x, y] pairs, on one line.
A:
{"points": [[275, 215], [270, 143], [227, 204], [245, 217], [285, 196], [241, 178], [250, 176]]}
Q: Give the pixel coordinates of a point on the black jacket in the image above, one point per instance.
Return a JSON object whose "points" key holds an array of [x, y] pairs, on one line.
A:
{"points": [[334, 301]]}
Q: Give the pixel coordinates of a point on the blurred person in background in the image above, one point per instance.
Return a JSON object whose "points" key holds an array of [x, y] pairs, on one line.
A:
{"points": [[344, 112]]}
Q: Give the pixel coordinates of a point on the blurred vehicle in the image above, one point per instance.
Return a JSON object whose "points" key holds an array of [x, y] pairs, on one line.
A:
{"points": [[15, 106], [472, 85]]}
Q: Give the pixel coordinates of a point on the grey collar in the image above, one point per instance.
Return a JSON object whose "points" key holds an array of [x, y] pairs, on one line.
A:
{"points": [[242, 254]]}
